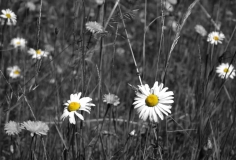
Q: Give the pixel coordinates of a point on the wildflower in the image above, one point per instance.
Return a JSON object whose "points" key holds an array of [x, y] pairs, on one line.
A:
{"points": [[94, 27], [201, 30], [174, 26], [18, 42], [153, 102], [111, 99], [75, 104], [169, 7], [215, 37], [38, 54], [100, 2], [14, 72], [12, 128], [132, 133], [9, 15], [225, 70], [30, 5], [35, 127]]}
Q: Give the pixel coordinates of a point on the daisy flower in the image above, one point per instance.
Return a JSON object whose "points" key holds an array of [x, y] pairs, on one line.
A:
{"points": [[94, 27], [14, 72], [74, 105], [18, 42], [9, 15], [38, 54], [200, 30], [100, 2], [169, 7], [225, 70], [12, 128], [215, 37], [111, 99], [153, 102], [35, 127]]}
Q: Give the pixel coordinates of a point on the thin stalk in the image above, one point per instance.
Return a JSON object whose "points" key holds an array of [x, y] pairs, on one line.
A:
{"points": [[162, 37], [144, 39], [135, 63]]}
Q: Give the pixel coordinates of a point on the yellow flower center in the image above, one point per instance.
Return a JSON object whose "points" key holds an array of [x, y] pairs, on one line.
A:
{"points": [[226, 70], [18, 43], [73, 106], [8, 15], [17, 72], [38, 51], [216, 38], [152, 100]]}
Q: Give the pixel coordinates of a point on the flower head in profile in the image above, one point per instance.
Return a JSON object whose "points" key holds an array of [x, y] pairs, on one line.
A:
{"points": [[111, 99], [153, 103], [12, 128], [168, 6], [35, 127], [9, 15], [94, 27], [225, 70], [38, 54], [75, 104], [200, 30], [18, 42], [215, 37], [99, 2], [14, 72]]}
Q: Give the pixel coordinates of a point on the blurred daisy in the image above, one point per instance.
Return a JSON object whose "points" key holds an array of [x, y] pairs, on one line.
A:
{"points": [[12, 128], [9, 15], [111, 99], [38, 54], [200, 30], [132, 133], [225, 71], [30, 5], [153, 102], [100, 2], [18, 42], [74, 105], [94, 27], [35, 127], [215, 37], [169, 7], [14, 72]]}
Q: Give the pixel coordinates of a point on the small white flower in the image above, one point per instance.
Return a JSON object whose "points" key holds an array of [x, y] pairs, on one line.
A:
{"points": [[75, 104], [200, 30], [9, 15], [35, 127], [132, 133], [100, 2], [30, 5], [174, 26], [111, 99], [38, 54], [169, 7], [153, 102], [14, 72], [94, 27], [215, 37], [18, 42], [12, 128], [225, 71]]}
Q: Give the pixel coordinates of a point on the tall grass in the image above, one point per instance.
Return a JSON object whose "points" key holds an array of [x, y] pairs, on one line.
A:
{"points": [[138, 46]]}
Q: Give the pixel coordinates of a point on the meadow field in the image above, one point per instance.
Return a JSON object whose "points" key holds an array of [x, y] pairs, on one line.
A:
{"points": [[117, 80]]}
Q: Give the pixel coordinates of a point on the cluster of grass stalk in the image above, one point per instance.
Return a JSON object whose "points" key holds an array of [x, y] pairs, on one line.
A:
{"points": [[202, 123]]}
